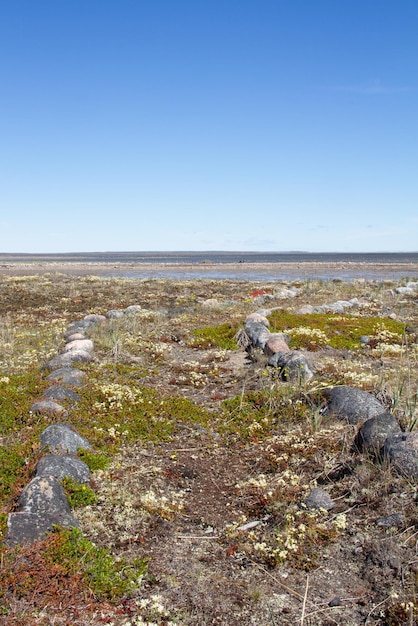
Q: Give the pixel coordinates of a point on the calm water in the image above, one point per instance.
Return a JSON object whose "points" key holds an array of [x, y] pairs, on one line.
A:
{"points": [[290, 265]]}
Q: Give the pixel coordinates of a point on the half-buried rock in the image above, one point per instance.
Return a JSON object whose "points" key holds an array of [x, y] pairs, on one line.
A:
{"points": [[62, 438], [351, 404], [63, 466], [292, 366]]}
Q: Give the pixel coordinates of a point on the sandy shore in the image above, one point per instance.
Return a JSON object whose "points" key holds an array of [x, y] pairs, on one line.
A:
{"points": [[236, 271]]}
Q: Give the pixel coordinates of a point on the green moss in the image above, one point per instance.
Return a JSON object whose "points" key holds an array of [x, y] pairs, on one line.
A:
{"points": [[342, 331], [94, 460], [125, 413], [77, 494], [221, 336], [106, 577], [259, 413]]}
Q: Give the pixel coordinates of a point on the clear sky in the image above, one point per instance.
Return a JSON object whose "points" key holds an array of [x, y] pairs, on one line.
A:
{"points": [[264, 125]]}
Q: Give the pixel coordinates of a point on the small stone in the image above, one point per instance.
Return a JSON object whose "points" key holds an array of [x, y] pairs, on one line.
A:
{"points": [[395, 519], [319, 499], [305, 309]]}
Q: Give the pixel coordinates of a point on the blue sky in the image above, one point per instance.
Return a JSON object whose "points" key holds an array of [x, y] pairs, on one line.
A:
{"points": [[267, 125]]}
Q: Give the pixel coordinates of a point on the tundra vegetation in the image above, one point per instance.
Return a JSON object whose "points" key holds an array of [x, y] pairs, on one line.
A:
{"points": [[202, 457]]}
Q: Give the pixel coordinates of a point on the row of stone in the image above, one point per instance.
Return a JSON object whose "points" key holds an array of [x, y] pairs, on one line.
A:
{"points": [[43, 503], [379, 434]]}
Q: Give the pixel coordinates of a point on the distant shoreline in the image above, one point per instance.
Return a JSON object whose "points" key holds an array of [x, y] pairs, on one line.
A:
{"points": [[263, 271]]}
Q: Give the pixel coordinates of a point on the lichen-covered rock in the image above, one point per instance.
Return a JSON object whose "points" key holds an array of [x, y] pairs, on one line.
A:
{"points": [[351, 404], [47, 407], [26, 528], [43, 495], [79, 326], [319, 499], [402, 451], [68, 376], [63, 465], [57, 392], [292, 366], [62, 438], [257, 334], [373, 433]]}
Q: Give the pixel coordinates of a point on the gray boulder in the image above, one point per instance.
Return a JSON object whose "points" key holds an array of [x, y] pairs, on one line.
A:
{"points": [[292, 366], [373, 433], [402, 451], [57, 392], [62, 438], [351, 404], [133, 309], [26, 528], [67, 376], [66, 359], [114, 314], [62, 466], [43, 495], [257, 334], [47, 407], [79, 344], [95, 318]]}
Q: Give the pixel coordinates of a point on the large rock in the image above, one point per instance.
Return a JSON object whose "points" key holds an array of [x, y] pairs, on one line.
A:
{"points": [[43, 495], [57, 392], [277, 342], [47, 407], [351, 404], [26, 528], [66, 359], [373, 433], [62, 466], [257, 334], [133, 309], [292, 366], [79, 344], [67, 376], [95, 318], [62, 438], [257, 317], [114, 314], [402, 451]]}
